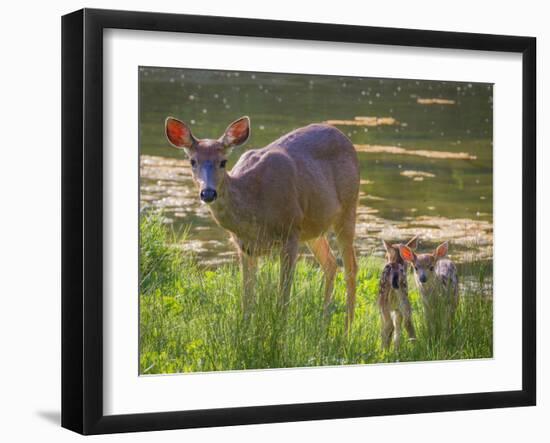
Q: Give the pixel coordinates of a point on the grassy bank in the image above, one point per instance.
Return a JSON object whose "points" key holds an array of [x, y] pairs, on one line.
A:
{"points": [[191, 320]]}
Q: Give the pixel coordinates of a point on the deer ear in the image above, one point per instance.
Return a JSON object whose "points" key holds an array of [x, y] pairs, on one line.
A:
{"points": [[441, 250], [179, 135], [406, 253], [387, 246], [236, 133], [413, 242]]}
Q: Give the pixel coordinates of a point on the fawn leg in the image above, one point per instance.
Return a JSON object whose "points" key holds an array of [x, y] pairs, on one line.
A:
{"points": [[321, 250], [289, 252], [397, 319], [248, 269], [386, 321], [455, 296], [429, 314], [406, 313]]}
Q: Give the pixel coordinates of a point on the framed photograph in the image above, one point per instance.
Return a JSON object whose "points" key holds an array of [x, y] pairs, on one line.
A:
{"points": [[270, 221]]}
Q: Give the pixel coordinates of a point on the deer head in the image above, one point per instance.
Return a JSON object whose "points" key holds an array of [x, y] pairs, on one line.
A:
{"points": [[394, 262], [423, 264], [208, 157], [392, 250]]}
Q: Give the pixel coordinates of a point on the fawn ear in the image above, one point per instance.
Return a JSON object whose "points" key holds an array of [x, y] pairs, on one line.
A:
{"points": [[413, 242], [236, 133], [441, 250], [179, 135], [406, 253], [391, 252]]}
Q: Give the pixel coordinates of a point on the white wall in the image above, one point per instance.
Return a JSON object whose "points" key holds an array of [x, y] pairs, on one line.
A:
{"points": [[30, 218]]}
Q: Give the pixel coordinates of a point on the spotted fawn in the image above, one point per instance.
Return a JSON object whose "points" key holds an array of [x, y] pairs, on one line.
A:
{"points": [[437, 281], [393, 296]]}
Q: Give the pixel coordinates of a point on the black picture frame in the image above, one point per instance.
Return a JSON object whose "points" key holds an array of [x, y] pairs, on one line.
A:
{"points": [[82, 219]]}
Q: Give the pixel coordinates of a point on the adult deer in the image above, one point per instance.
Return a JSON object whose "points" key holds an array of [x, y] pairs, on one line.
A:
{"points": [[294, 190]]}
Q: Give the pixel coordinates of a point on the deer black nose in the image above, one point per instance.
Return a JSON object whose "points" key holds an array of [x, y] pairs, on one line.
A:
{"points": [[423, 279], [208, 195]]}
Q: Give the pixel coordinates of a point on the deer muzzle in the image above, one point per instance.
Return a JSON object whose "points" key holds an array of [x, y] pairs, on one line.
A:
{"points": [[208, 195], [395, 281]]}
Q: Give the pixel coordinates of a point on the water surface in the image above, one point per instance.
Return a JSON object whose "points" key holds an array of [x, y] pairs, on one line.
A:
{"points": [[425, 149]]}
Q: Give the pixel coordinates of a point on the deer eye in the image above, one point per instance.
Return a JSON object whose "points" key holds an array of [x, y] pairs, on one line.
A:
{"points": [[431, 268], [193, 162], [223, 163], [416, 268]]}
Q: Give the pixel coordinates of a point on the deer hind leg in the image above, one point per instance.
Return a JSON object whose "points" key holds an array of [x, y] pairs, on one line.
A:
{"points": [[345, 236], [321, 250], [289, 252], [248, 269], [455, 296]]}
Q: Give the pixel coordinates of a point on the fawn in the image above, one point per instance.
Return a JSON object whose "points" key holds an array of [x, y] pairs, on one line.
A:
{"points": [[437, 281], [393, 296]]}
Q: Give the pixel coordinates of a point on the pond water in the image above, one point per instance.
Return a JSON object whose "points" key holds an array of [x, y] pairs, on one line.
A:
{"points": [[425, 149]]}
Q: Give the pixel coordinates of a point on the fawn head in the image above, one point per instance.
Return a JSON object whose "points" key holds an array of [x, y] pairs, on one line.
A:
{"points": [[394, 263], [423, 264], [395, 273], [208, 157]]}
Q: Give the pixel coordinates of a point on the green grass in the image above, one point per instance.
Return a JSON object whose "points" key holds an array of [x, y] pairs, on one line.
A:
{"points": [[191, 318]]}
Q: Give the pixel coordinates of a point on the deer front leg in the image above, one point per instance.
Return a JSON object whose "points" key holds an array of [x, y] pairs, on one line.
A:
{"points": [[289, 253], [345, 243], [385, 320], [429, 313], [248, 269], [321, 250], [397, 319]]}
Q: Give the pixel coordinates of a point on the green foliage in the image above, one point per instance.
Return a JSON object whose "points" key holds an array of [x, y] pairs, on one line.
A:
{"points": [[191, 317]]}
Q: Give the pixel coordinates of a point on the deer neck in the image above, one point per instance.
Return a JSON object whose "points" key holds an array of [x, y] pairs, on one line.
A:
{"points": [[428, 289], [230, 208]]}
